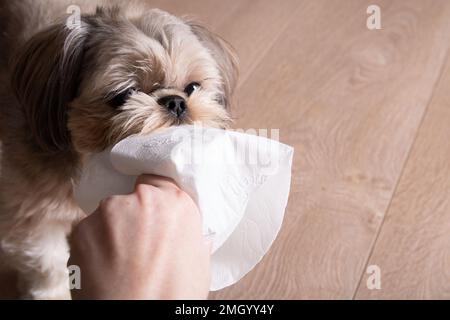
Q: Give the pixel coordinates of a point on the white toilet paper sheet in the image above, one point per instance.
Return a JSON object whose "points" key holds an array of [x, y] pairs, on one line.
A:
{"points": [[240, 183]]}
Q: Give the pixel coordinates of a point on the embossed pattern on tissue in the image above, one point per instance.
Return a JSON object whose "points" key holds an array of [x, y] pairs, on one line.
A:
{"points": [[240, 186], [155, 143], [156, 146]]}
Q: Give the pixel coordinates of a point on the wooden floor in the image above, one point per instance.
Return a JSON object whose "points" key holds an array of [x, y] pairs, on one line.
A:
{"points": [[368, 112]]}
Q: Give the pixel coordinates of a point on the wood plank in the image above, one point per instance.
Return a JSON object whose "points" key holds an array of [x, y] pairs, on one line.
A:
{"points": [[254, 27], [413, 248], [350, 101], [251, 26], [210, 12]]}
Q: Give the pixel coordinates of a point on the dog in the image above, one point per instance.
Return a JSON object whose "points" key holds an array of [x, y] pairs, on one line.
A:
{"points": [[69, 91]]}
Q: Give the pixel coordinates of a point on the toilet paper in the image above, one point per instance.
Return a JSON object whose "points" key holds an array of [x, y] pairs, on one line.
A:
{"points": [[240, 183]]}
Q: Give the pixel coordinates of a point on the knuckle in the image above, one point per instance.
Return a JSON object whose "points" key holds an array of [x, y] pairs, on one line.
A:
{"points": [[184, 198], [144, 191], [149, 198], [180, 194], [113, 205], [186, 204], [107, 204]]}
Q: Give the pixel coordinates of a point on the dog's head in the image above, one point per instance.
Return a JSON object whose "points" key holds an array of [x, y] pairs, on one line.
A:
{"points": [[88, 87]]}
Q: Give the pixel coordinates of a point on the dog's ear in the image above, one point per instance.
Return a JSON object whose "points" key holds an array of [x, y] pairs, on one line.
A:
{"points": [[45, 79], [225, 56]]}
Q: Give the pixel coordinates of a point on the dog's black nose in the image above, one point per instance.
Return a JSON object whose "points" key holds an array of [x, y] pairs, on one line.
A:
{"points": [[175, 104]]}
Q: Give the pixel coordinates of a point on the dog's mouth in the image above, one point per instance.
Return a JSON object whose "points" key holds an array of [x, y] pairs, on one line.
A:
{"points": [[180, 118], [179, 121]]}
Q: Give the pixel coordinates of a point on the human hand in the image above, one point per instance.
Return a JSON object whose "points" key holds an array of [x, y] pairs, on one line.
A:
{"points": [[145, 245]]}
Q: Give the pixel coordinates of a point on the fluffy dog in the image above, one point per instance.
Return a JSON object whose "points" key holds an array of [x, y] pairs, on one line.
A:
{"points": [[70, 92]]}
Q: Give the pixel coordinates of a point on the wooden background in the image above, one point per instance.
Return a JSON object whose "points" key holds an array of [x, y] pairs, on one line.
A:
{"points": [[368, 113]]}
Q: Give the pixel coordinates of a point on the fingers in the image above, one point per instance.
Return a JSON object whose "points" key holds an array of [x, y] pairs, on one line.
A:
{"points": [[148, 189], [156, 181]]}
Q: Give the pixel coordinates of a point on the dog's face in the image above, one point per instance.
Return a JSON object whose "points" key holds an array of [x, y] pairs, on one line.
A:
{"points": [[87, 88]]}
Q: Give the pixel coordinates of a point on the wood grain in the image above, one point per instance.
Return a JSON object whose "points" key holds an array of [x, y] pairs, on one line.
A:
{"points": [[413, 248], [211, 13], [251, 26], [350, 101]]}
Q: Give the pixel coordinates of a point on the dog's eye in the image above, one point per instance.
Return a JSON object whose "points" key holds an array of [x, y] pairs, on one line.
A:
{"points": [[122, 97], [191, 87]]}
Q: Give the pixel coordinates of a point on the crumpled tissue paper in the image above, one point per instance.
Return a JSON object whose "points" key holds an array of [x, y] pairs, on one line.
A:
{"points": [[240, 182]]}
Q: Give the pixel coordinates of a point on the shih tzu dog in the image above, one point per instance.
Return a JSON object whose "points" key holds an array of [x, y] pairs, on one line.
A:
{"points": [[68, 92]]}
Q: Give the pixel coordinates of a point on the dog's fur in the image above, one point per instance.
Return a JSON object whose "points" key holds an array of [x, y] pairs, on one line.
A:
{"points": [[56, 93]]}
